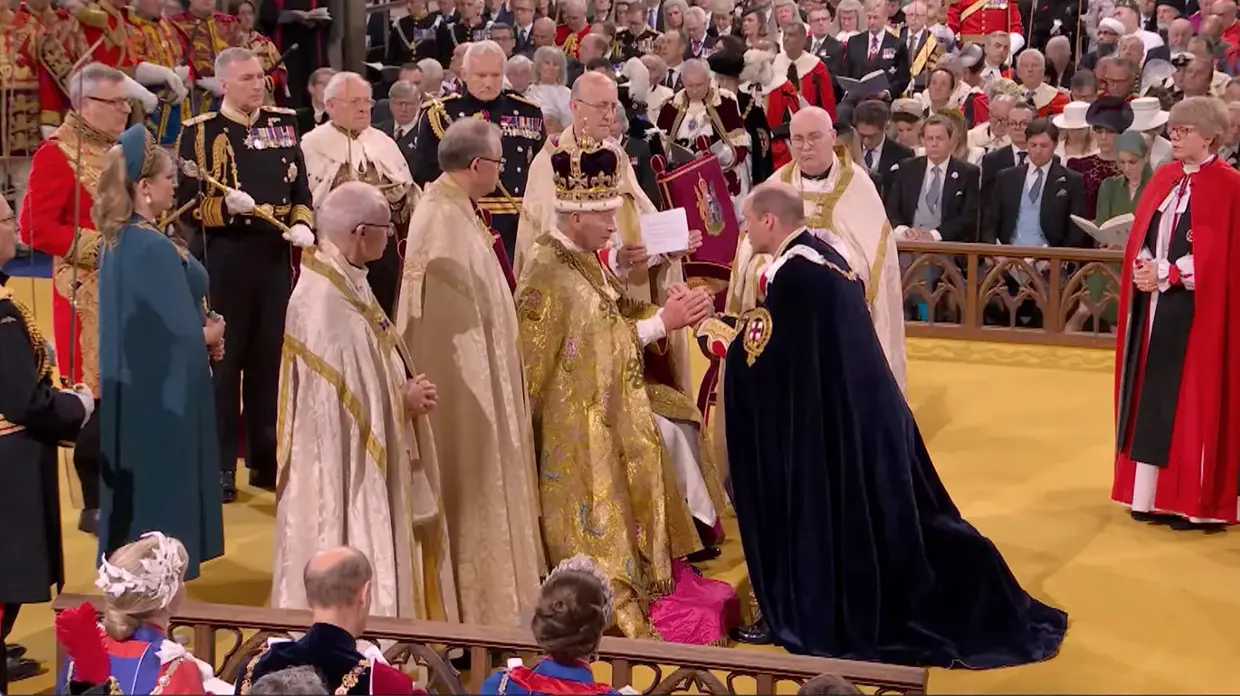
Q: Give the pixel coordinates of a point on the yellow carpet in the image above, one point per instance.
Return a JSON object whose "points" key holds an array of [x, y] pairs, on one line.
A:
{"points": [[1022, 439]]}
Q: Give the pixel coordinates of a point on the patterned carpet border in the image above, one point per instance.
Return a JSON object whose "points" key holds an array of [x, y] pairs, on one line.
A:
{"points": [[1011, 354]]}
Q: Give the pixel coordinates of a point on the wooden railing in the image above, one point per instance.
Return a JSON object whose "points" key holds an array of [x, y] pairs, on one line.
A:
{"points": [[420, 647], [1014, 294]]}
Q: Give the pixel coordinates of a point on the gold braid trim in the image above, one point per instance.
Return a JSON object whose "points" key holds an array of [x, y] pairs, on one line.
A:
{"points": [[876, 270], [301, 213], [673, 404], [352, 678], [211, 211], [248, 680]]}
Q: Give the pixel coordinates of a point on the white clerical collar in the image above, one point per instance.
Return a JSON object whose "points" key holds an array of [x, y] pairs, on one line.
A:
{"points": [[1194, 168]]}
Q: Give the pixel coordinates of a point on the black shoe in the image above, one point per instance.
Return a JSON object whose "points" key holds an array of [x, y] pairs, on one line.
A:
{"points": [[262, 479], [228, 486], [22, 668], [13, 651], [756, 634], [88, 522], [709, 553], [1152, 517], [1180, 524]]}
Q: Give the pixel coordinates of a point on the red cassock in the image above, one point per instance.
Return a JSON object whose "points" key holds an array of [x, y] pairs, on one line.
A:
{"points": [[48, 225], [1203, 460], [817, 90], [781, 103]]}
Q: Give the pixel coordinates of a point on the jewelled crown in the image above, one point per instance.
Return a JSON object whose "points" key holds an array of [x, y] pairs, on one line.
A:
{"points": [[587, 179]]}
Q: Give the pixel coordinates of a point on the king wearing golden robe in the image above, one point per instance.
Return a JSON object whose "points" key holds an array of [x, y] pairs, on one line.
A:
{"points": [[608, 482]]}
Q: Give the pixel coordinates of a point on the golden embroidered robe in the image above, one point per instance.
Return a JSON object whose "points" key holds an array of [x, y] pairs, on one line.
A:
{"points": [[456, 313], [355, 469], [608, 486], [846, 211]]}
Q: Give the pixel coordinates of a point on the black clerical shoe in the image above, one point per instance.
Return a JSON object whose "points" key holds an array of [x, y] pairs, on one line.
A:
{"points": [[23, 668], [1152, 517], [1180, 524], [709, 553], [228, 486], [757, 633], [263, 479], [88, 522], [13, 651]]}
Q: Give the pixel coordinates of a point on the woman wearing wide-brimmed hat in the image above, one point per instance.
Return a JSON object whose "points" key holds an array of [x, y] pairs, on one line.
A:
{"points": [[1149, 117], [1107, 117], [1075, 140]]}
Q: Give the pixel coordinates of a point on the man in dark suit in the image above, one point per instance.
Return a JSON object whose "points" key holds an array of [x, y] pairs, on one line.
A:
{"points": [[403, 101], [935, 197], [828, 48], [880, 154], [523, 26], [315, 115], [1030, 204], [877, 49], [995, 161]]}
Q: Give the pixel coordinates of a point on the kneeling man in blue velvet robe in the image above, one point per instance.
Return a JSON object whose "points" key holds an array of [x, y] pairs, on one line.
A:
{"points": [[854, 547]]}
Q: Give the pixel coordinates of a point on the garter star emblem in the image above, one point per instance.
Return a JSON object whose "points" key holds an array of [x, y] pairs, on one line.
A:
{"points": [[757, 334]]}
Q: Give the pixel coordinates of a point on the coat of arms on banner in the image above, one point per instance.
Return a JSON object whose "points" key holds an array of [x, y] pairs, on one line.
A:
{"points": [[708, 207]]}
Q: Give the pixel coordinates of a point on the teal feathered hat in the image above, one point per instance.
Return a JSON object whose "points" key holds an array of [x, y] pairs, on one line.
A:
{"points": [[138, 146]]}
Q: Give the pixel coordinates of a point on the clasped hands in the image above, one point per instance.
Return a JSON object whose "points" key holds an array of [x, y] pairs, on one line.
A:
{"points": [[420, 396], [241, 203], [213, 334], [633, 256], [686, 307]]}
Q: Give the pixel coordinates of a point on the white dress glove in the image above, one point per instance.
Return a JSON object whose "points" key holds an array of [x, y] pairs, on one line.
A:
{"points": [[210, 84], [134, 90], [182, 72], [725, 154], [239, 202], [47, 131], [299, 236], [88, 401]]}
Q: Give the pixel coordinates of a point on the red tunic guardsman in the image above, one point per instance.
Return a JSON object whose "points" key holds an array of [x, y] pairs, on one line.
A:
{"points": [[107, 35], [160, 42], [570, 41], [33, 67], [55, 219], [50, 39], [206, 36], [973, 20]]}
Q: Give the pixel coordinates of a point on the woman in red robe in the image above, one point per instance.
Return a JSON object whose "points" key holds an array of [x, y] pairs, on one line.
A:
{"points": [[1177, 367]]}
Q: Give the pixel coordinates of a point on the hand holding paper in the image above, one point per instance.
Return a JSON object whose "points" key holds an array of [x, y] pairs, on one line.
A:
{"points": [[665, 232]]}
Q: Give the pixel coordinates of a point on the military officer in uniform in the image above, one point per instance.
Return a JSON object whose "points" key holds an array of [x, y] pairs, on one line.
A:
{"points": [[415, 36], [519, 119], [244, 236], [636, 38]]}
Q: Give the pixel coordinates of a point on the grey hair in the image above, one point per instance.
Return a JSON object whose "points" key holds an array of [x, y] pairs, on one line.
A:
{"points": [[346, 207], [520, 61], [229, 56], [86, 81], [998, 35], [403, 90], [695, 64], [292, 680], [1058, 40], [555, 55], [1035, 54], [432, 80], [697, 11], [575, 4], [481, 48], [684, 7], [778, 199], [339, 81], [656, 65], [466, 140]]}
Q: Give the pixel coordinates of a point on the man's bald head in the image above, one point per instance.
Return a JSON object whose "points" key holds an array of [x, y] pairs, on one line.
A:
{"points": [[336, 578], [594, 105], [812, 136]]}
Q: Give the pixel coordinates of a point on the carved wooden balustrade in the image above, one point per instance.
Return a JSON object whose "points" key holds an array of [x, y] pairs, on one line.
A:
{"points": [[1016, 294], [228, 637]]}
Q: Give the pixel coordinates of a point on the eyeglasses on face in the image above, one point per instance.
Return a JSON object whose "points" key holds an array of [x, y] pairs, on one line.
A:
{"points": [[497, 161], [387, 227], [117, 103]]}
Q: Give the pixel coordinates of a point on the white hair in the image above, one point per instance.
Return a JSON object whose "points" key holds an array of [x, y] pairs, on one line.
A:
{"points": [[85, 82], [1035, 54], [293, 680], [481, 48], [339, 81], [347, 207], [698, 12], [554, 55], [1059, 40], [432, 81], [579, 5], [229, 56], [696, 65], [518, 62]]}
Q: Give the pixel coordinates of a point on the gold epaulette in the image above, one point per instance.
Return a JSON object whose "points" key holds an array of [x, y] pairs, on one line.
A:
{"points": [[525, 100], [438, 117], [446, 98], [279, 110], [200, 118], [93, 16]]}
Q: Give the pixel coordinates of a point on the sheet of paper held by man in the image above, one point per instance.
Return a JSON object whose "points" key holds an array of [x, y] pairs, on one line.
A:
{"points": [[666, 232]]}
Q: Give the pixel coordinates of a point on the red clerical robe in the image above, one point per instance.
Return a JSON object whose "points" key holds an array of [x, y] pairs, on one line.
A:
{"points": [[569, 40], [781, 103], [54, 214], [1196, 344]]}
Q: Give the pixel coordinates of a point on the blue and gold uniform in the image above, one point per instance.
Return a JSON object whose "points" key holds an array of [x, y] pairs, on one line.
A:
{"points": [[521, 123]]}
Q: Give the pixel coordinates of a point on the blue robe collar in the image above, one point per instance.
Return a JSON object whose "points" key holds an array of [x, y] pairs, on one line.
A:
{"points": [[576, 672]]}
